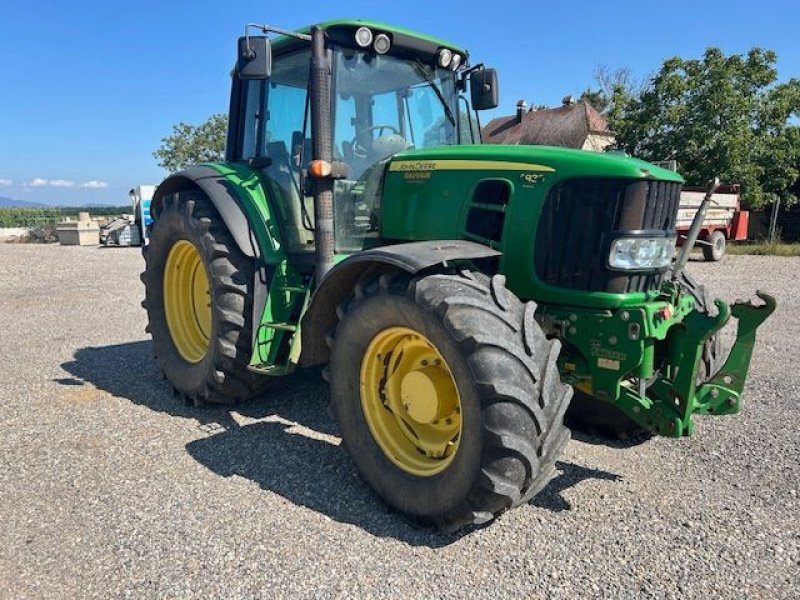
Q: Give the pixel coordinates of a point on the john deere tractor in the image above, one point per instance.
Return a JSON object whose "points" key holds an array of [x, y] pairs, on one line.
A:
{"points": [[455, 293]]}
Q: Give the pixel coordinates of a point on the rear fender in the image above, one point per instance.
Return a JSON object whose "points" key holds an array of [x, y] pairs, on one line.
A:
{"points": [[236, 191], [237, 194], [336, 286]]}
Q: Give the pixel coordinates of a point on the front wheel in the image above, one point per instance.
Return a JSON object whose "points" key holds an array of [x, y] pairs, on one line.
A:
{"points": [[448, 395]]}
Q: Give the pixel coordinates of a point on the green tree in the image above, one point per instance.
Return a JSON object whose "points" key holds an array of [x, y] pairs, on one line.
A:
{"points": [[192, 144], [720, 116]]}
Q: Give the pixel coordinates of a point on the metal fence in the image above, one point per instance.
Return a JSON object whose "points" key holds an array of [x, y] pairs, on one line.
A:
{"points": [[787, 224]]}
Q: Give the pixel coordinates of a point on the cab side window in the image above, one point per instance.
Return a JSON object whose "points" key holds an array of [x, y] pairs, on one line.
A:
{"points": [[252, 117], [273, 126]]}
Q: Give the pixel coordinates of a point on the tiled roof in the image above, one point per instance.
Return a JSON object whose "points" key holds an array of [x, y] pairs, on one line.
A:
{"points": [[567, 125]]}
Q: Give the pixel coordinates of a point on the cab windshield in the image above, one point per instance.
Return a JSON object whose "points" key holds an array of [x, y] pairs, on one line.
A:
{"points": [[382, 105]]}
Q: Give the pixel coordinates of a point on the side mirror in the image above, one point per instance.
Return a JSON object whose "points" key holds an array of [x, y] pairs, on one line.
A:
{"points": [[254, 58], [483, 89]]}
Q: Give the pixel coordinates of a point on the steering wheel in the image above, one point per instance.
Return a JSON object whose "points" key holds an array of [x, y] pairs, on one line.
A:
{"points": [[359, 149]]}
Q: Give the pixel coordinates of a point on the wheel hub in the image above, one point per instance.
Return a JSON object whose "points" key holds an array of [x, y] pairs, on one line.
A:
{"points": [[422, 392]]}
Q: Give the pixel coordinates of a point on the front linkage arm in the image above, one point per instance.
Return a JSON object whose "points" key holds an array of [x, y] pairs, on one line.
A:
{"points": [[678, 397], [722, 395], [614, 354]]}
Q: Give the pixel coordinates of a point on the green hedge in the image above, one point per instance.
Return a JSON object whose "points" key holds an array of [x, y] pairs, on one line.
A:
{"points": [[32, 217]]}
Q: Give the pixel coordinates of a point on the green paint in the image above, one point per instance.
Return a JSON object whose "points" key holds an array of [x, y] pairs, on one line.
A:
{"points": [[568, 162], [248, 187], [603, 350], [286, 287], [287, 299], [412, 209]]}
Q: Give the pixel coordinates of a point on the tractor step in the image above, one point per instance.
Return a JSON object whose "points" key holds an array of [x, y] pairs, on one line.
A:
{"points": [[293, 289], [271, 370], [280, 326]]}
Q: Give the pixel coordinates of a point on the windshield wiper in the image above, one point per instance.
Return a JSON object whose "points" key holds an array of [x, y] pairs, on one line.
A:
{"points": [[447, 111]]}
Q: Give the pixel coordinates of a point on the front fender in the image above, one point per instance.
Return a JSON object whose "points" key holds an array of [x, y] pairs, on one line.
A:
{"points": [[336, 286]]}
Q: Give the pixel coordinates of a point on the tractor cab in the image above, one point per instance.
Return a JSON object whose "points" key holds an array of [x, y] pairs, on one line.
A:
{"points": [[386, 93]]}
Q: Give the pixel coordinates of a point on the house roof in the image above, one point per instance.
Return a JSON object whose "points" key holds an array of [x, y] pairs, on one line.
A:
{"points": [[567, 125]]}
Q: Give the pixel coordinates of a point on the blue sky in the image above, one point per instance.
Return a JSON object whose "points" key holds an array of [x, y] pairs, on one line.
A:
{"points": [[88, 89]]}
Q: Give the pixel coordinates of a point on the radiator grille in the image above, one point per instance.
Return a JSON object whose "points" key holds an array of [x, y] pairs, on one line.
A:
{"points": [[581, 217]]}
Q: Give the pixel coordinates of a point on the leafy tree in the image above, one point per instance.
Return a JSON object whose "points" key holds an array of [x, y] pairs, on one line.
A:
{"points": [[720, 116], [192, 144]]}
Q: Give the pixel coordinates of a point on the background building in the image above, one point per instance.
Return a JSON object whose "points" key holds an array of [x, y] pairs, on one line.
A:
{"points": [[573, 125]]}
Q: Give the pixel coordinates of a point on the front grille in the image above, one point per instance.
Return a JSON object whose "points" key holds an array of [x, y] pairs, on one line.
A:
{"points": [[580, 219]]}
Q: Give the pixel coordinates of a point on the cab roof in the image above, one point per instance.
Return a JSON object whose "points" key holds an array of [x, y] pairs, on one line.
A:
{"points": [[376, 27]]}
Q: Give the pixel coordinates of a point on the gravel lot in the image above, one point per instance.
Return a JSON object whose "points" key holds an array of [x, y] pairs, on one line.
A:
{"points": [[110, 488]]}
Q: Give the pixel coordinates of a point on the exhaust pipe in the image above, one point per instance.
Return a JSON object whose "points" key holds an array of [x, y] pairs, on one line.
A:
{"points": [[322, 148]]}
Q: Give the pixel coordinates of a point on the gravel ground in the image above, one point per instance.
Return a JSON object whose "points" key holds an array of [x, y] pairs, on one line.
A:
{"points": [[110, 488]]}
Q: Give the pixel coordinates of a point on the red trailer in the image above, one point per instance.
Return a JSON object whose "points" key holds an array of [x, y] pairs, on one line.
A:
{"points": [[725, 220]]}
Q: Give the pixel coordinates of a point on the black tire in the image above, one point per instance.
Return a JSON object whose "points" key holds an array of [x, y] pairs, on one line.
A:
{"points": [[513, 400], [715, 249], [597, 417], [221, 376]]}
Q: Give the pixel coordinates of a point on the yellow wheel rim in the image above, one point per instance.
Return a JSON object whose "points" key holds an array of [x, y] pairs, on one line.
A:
{"points": [[187, 301], [410, 401]]}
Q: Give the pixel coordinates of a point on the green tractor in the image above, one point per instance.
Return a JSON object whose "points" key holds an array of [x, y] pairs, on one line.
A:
{"points": [[455, 293]]}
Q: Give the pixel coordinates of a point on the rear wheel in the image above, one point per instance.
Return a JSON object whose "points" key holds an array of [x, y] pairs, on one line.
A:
{"points": [[198, 298], [447, 395], [714, 250]]}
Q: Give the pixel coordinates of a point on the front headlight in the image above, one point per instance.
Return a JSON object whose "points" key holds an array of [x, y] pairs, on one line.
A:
{"points": [[640, 253]]}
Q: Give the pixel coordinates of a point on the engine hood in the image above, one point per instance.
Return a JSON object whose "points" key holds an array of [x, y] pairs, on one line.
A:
{"points": [[563, 162]]}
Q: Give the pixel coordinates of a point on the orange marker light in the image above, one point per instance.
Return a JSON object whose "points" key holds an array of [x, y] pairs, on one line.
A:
{"points": [[319, 168]]}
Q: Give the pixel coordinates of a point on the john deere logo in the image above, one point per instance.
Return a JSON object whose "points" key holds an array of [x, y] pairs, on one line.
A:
{"points": [[531, 178]]}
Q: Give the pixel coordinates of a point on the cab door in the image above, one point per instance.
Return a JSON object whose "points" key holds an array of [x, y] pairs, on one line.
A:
{"points": [[272, 129]]}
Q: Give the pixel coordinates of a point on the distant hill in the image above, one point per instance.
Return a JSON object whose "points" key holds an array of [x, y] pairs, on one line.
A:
{"points": [[11, 203]]}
